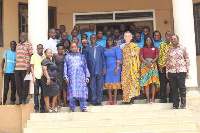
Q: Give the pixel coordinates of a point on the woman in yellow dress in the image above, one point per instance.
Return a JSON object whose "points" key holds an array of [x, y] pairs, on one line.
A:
{"points": [[130, 69]]}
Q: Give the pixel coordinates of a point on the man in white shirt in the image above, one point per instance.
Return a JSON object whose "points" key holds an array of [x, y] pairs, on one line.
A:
{"points": [[52, 42]]}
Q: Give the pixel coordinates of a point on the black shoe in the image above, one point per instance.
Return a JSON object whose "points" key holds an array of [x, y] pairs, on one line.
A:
{"points": [[99, 104], [42, 111], [36, 111], [163, 100], [23, 102], [182, 106], [12, 102], [19, 103], [4, 103], [92, 104], [132, 101], [175, 107]]}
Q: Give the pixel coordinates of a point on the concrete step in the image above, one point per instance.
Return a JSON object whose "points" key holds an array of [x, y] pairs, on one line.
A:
{"points": [[167, 128], [111, 122], [109, 115], [123, 108]]}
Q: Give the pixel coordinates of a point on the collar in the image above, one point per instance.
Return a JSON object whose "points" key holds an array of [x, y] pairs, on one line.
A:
{"points": [[24, 42], [39, 55]]}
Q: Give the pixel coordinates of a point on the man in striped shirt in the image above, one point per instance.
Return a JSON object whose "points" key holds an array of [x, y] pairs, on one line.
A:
{"points": [[24, 52]]}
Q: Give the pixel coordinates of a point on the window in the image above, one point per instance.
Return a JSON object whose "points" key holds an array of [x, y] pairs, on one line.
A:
{"points": [[115, 17], [1, 23], [197, 26], [23, 17]]}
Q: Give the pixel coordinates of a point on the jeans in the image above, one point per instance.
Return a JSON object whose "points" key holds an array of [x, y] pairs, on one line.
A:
{"points": [[7, 78], [177, 81], [36, 94]]}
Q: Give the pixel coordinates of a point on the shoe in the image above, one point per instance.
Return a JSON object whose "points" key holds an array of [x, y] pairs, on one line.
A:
{"points": [[42, 111], [4, 103], [175, 107], [163, 100], [23, 102], [84, 110], [36, 111], [71, 110], [110, 103], [99, 104], [92, 104], [12, 102], [182, 106], [132, 101], [53, 111], [115, 102], [19, 103]]}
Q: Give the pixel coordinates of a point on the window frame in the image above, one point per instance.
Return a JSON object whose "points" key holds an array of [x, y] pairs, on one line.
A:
{"points": [[114, 20], [1, 19]]}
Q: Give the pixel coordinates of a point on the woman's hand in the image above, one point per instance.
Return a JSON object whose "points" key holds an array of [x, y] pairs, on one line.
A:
{"points": [[87, 80], [67, 80], [148, 64], [116, 71], [48, 81]]}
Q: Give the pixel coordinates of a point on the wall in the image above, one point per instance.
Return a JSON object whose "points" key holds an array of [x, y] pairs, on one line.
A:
{"points": [[18, 114], [162, 7]]}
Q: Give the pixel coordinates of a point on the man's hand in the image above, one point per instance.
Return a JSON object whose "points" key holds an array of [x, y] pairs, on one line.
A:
{"points": [[104, 72], [34, 81], [67, 81], [87, 80], [2, 73], [187, 75], [167, 76]]}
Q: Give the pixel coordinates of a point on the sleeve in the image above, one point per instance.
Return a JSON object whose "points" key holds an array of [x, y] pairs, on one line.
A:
{"points": [[87, 74], [103, 59], [32, 59], [4, 54], [187, 60], [118, 53], [65, 67], [167, 61], [45, 62], [30, 49]]}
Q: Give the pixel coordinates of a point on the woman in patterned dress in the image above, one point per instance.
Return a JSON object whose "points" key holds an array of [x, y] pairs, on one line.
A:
{"points": [[76, 76], [149, 70], [130, 69]]}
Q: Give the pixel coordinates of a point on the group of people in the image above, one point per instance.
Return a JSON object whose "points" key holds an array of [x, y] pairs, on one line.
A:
{"points": [[78, 67]]}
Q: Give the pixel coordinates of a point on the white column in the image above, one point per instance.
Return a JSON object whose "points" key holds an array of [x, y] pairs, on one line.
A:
{"points": [[37, 25], [184, 28]]}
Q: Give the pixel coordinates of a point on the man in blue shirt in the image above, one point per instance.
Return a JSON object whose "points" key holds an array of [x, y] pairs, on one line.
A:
{"points": [[94, 55], [9, 59], [91, 30], [100, 41], [78, 28], [138, 40], [74, 33]]}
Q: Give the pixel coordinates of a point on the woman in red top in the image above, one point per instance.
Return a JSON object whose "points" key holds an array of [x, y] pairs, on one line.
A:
{"points": [[149, 70]]}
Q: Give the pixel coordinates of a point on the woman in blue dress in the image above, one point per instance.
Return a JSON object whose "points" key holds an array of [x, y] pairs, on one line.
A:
{"points": [[113, 57]]}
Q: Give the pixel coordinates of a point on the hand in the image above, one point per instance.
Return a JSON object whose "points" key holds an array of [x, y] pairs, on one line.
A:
{"points": [[87, 80], [67, 81], [34, 81], [104, 72], [167, 76], [161, 69], [187, 74], [48, 81], [29, 70], [148, 64], [116, 71], [2, 72]]}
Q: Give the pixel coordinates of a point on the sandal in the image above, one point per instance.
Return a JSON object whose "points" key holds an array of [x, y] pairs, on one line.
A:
{"points": [[152, 100], [148, 101], [115, 102], [84, 110], [71, 110], [110, 103]]}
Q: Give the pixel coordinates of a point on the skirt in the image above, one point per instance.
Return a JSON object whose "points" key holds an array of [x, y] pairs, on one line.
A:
{"points": [[49, 90], [61, 83], [149, 75]]}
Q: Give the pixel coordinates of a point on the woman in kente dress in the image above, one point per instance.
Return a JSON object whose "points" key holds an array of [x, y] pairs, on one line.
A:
{"points": [[130, 69]]}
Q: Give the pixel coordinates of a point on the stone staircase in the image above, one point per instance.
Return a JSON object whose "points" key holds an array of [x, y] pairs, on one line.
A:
{"points": [[139, 118]]}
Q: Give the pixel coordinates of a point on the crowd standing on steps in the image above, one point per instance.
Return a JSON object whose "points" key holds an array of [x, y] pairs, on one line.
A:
{"points": [[80, 66]]}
